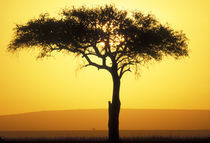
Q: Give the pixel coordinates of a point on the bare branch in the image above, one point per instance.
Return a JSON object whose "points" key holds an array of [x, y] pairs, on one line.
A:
{"points": [[125, 64], [123, 59], [90, 63], [122, 72], [97, 51]]}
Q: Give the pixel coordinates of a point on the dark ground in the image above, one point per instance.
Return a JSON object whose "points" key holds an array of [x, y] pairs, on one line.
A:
{"points": [[104, 140]]}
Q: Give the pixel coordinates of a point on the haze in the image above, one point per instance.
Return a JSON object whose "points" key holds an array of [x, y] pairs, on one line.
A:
{"points": [[56, 83], [96, 119]]}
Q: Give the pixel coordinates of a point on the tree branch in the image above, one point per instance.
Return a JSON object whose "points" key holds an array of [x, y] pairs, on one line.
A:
{"points": [[122, 72], [97, 51], [90, 63], [85, 55]]}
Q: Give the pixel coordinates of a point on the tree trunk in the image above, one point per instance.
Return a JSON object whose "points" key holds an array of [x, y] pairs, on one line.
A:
{"points": [[114, 110]]}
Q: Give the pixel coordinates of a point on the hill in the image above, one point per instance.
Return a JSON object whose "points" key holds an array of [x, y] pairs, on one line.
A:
{"points": [[97, 119]]}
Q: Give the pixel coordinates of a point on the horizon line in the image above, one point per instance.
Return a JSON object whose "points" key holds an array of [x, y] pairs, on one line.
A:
{"points": [[102, 130], [38, 111]]}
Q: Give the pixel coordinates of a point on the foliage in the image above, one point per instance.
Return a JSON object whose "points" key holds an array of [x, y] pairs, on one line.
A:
{"points": [[104, 32]]}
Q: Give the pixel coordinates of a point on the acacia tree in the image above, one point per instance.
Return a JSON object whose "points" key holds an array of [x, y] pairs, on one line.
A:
{"points": [[121, 42]]}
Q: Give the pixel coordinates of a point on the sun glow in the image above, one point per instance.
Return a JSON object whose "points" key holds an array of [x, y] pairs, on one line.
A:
{"points": [[101, 44], [113, 43]]}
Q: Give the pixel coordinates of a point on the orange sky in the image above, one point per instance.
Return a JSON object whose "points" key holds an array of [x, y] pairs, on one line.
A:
{"points": [[55, 83]]}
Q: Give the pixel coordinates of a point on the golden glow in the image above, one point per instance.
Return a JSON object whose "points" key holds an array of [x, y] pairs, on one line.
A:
{"points": [[114, 40], [101, 44], [56, 83], [129, 120]]}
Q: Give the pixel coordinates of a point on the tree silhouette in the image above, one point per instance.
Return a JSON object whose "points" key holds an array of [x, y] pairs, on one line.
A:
{"points": [[120, 41]]}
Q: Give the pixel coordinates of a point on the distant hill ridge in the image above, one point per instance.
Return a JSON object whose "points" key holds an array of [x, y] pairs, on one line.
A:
{"points": [[130, 119]]}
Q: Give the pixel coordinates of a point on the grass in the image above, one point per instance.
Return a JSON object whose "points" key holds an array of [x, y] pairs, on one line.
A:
{"points": [[104, 140]]}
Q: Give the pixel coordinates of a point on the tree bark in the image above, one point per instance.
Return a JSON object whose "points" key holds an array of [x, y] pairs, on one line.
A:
{"points": [[114, 111]]}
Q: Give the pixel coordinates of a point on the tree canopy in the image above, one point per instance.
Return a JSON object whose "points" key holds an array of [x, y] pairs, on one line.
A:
{"points": [[121, 41], [105, 32]]}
